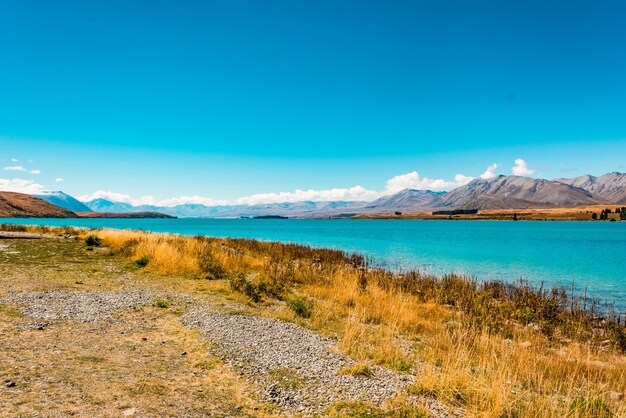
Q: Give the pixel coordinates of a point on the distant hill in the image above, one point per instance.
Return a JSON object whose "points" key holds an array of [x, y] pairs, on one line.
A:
{"points": [[407, 199], [291, 209], [103, 205], [19, 205], [63, 200], [511, 192], [153, 215], [611, 186]]}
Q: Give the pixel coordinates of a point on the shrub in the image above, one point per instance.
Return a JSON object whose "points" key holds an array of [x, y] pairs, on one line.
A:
{"points": [[160, 303], [271, 287], [617, 336], [208, 266], [93, 241], [240, 284], [142, 261], [302, 307]]}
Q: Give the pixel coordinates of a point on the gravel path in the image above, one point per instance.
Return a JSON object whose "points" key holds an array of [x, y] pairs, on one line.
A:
{"points": [[30, 235], [82, 306], [297, 369]]}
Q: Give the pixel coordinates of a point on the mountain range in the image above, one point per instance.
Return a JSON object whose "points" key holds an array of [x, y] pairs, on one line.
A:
{"points": [[64, 200], [501, 192]]}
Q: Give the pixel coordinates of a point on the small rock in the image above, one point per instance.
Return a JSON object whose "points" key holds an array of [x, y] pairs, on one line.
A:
{"points": [[129, 412], [616, 396]]}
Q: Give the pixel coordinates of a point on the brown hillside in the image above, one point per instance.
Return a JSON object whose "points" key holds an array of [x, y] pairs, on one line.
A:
{"points": [[20, 205]]}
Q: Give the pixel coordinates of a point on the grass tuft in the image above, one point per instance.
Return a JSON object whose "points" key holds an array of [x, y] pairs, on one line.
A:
{"points": [[358, 369], [302, 307], [93, 241]]}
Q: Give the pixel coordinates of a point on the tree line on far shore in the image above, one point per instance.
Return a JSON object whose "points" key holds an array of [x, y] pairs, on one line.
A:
{"points": [[604, 214]]}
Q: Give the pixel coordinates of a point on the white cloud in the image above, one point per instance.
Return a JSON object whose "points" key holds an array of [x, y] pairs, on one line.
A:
{"points": [[144, 200], [197, 200], [35, 171], [15, 160], [462, 180], [150, 200], [413, 180], [15, 168], [395, 184], [20, 186], [489, 172], [108, 195], [355, 193], [521, 168], [59, 180]]}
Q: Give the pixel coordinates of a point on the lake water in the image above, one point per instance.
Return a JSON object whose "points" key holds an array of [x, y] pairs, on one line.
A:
{"points": [[589, 254]]}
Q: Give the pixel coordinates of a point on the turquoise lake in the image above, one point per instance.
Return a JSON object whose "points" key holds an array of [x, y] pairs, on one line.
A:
{"points": [[588, 254]]}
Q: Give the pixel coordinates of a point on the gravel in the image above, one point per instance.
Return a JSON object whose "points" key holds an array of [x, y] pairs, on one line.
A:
{"points": [[296, 369], [81, 306]]}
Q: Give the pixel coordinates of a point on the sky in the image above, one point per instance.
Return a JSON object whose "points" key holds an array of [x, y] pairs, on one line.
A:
{"points": [[250, 102]]}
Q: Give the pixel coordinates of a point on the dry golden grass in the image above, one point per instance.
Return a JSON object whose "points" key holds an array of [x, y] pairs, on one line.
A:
{"points": [[487, 369]]}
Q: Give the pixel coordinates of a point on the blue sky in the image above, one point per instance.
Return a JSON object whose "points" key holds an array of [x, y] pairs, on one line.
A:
{"points": [[229, 99]]}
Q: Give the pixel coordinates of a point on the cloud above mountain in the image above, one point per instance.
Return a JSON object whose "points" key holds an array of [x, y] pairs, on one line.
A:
{"points": [[20, 186], [108, 195], [410, 180], [196, 200], [356, 193], [521, 168], [413, 180], [489, 172], [150, 200]]}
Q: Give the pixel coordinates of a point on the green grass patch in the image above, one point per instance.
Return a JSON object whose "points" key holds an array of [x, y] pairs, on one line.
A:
{"points": [[287, 378], [367, 410], [160, 303], [586, 407], [93, 241], [302, 307], [10, 311], [358, 369], [141, 261]]}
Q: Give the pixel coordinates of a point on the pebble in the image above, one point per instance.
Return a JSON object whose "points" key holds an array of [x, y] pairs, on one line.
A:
{"points": [[296, 368], [82, 306]]}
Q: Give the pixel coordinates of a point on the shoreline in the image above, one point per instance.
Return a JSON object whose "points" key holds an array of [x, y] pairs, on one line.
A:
{"points": [[536, 274], [368, 262]]}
